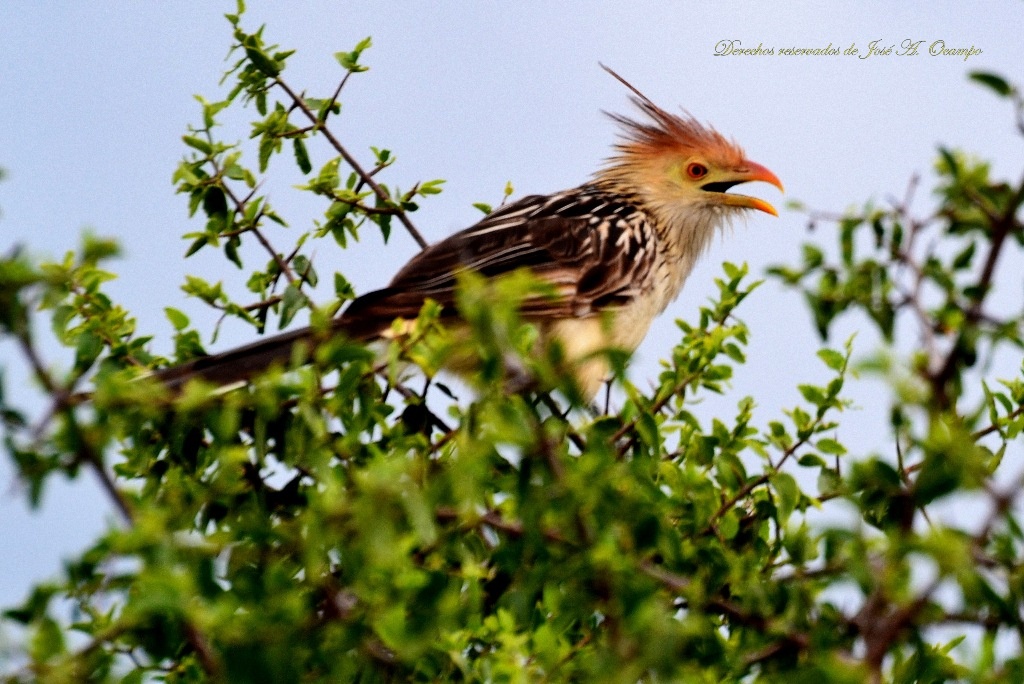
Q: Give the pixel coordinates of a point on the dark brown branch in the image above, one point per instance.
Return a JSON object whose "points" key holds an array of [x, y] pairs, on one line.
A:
{"points": [[204, 652], [763, 479], [1002, 226], [880, 623]]}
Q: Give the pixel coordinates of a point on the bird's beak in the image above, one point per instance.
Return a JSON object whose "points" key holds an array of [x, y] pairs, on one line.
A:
{"points": [[747, 171]]}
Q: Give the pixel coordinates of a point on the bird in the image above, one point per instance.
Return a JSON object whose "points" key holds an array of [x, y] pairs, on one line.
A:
{"points": [[614, 251]]}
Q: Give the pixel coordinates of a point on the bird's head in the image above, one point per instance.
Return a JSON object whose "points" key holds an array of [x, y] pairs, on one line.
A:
{"points": [[683, 164]]}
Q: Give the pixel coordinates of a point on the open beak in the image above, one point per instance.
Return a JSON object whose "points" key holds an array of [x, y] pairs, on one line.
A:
{"points": [[746, 172]]}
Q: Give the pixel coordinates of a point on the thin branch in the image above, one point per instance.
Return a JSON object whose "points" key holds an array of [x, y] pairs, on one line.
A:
{"points": [[676, 583], [763, 478], [995, 427], [656, 407], [337, 93], [86, 454], [368, 210], [493, 518], [1002, 227], [204, 652], [555, 409], [351, 161], [240, 208]]}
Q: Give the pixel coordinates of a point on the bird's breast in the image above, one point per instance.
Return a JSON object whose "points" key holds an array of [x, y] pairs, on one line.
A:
{"points": [[584, 340]]}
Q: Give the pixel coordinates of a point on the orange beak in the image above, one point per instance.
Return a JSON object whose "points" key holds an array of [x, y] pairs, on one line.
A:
{"points": [[747, 171]]}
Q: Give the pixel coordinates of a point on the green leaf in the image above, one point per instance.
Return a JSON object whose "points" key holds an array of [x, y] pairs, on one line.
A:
{"points": [[231, 250], [198, 143], [48, 640], [811, 461], [328, 176], [996, 83], [304, 269], [87, 350], [949, 164], [830, 446], [292, 301], [343, 288], [940, 474], [301, 155], [788, 493], [833, 359], [431, 187], [263, 62], [729, 470], [350, 60], [203, 290], [237, 172], [647, 428], [829, 482], [215, 203], [964, 258], [177, 318], [266, 149], [729, 525], [197, 245], [96, 249], [812, 394]]}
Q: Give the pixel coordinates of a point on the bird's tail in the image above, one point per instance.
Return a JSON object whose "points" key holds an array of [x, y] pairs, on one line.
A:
{"points": [[236, 365], [362, 321]]}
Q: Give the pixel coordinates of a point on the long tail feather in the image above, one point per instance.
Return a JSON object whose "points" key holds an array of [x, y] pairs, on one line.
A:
{"points": [[363, 320], [238, 364]]}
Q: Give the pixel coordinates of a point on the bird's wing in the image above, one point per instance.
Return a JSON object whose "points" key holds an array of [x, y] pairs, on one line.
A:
{"points": [[597, 253]]}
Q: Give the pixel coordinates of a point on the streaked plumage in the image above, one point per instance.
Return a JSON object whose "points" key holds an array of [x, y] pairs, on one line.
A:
{"points": [[623, 243]]}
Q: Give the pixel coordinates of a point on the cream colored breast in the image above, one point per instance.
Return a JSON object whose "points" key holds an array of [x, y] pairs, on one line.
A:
{"points": [[585, 339]]}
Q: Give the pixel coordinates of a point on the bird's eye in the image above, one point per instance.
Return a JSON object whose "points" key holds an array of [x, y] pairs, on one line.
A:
{"points": [[696, 170]]}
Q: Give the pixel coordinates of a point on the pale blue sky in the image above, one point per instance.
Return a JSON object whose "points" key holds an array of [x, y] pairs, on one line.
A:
{"points": [[95, 96]]}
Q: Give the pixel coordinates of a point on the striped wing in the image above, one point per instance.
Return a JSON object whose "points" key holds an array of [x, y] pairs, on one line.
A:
{"points": [[596, 251]]}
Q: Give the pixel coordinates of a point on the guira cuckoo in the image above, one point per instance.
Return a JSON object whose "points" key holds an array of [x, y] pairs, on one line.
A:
{"points": [[616, 251]]}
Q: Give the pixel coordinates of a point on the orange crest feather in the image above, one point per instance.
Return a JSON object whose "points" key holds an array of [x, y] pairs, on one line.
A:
{"points": [[668, 133]]}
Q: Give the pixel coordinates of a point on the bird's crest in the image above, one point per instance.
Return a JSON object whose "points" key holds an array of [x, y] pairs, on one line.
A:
{"points": [[666, 132]]}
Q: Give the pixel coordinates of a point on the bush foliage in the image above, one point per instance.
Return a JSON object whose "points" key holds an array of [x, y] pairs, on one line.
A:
{"points": [[341, 520]]}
